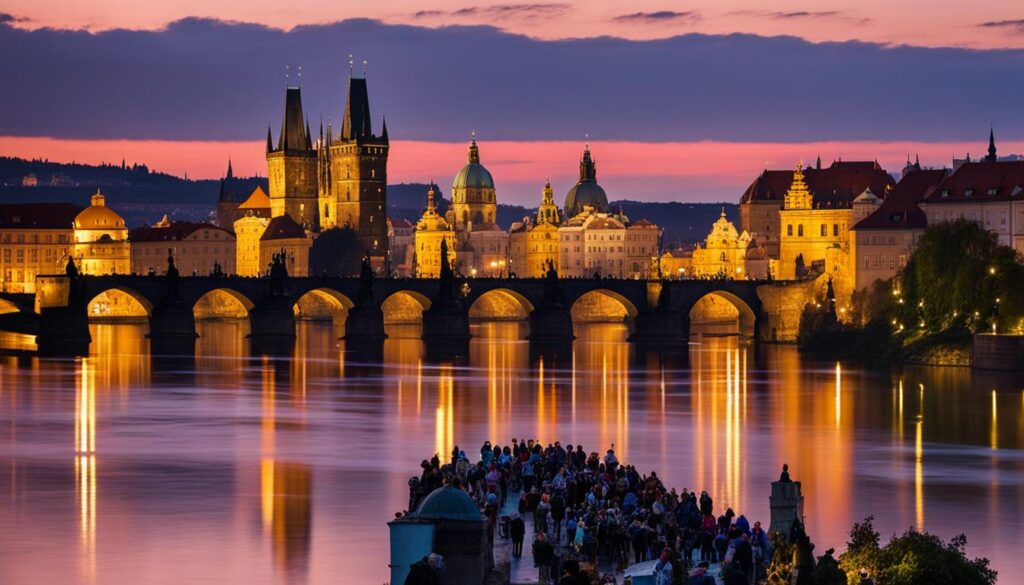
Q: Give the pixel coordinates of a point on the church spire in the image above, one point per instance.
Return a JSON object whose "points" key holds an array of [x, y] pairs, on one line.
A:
{"points": [[991, 146], [231, 172], [474, 151], [588, 166], [270, 141], [384, 128], [356, 123], [294, 127]]}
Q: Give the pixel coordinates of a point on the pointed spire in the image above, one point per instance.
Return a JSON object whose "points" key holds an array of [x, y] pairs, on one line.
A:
{"points": [[356, 122], [270, 141], [818, 164], [294, 126], [588, 167], [309, 137], [430, 197], [474, 151], [231, 172], [384, 128], [991, 146]]}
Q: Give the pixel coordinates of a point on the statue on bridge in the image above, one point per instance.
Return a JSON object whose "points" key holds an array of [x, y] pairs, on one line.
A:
{"points": [[365, 296], [172, 279], [278, 274], [446, 290], [553, 296]]}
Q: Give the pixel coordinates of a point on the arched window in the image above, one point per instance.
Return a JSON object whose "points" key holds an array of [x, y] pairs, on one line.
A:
{"points": [[800, 230], [789, 230]]}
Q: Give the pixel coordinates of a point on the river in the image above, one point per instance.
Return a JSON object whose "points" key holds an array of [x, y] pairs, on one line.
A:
{"points": [[124, 469]]}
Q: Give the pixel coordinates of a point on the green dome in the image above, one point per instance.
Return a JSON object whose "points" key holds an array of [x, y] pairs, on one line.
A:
{"points": [[448, 503], [474, 175]]}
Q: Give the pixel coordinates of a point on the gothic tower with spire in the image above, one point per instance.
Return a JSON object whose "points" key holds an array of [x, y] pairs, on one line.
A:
{"points": [[353, 175], [292, 165]]}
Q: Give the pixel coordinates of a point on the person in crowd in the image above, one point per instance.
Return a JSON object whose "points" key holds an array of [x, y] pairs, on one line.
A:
{"points": [[517, 531], [543, 555]]}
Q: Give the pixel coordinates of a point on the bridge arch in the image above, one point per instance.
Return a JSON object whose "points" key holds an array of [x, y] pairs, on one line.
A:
{"points": [[603, 306], [222, 304], [322, 304], [404, 307], [501, 304], [7, 306], [721, 312], [119, 304]]}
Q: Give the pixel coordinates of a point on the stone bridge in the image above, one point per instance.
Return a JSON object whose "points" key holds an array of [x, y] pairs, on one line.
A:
{"points": [[64, 305]]}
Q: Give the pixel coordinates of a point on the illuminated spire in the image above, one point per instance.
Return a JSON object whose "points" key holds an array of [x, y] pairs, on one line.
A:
{"points": [[799, 195]]}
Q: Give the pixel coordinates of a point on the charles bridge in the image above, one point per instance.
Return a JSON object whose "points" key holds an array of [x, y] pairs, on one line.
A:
{"points": [[658, 312]]}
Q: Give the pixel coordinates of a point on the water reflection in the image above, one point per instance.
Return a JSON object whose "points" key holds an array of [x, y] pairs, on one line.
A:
{"points": [[222, 455]]}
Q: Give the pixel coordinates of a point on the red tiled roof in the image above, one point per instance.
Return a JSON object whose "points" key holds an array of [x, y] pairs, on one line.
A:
{"points": [[177, 231], [44, 216], [976, 180], [835, 186], [400, 223], [900, 210], [605, 223], [283, 228]]}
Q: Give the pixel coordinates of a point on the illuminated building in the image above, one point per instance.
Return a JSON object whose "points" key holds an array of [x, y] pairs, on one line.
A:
{"points": [[586, 192], [723, 253], [284, 235], [990, 194], [197, 248], [534, 242], [228, 199], [35, 238], [642, 243], [249, 229], [101, 240], [292, 165], [834, 186], [400, 246], [474, 202], [815, 229], [592, 244], [431, 230], [882, 242]]}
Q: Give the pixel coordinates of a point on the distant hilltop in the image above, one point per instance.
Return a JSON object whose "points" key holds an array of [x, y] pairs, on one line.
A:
{"points": [[143, 195]]}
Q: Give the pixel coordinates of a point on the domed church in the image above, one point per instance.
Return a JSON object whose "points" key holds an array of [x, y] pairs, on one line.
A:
{"points": [[586, 192], [101, 239], [473, 199]]}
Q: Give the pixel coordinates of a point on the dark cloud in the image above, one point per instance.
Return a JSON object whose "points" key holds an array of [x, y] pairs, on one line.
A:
{"points": [[9, 18], [500, 11], [659, 16], [805, 15], [1016, 25], [213, 80]]}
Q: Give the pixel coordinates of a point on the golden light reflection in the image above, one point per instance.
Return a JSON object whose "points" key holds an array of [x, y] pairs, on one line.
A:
{"points": [[994, 433], [919, 475], [85, 464], [839, 394], [444, 417]]}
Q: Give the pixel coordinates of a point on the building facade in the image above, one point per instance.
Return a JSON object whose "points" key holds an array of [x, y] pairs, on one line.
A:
{"points": [[35, 238], [643, 241], [882, 242], [400, 247], [834, 186], [723, 254], [198, 248], [533, 242], [431, 230], [284, 235], [101, 240], [474, 200]]}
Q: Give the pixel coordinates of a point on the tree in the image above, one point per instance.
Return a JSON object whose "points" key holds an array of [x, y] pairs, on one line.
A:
{"points": [[336, 252], [914, 558]]}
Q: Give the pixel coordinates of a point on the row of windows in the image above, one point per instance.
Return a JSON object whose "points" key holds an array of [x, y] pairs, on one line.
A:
{"points": [[182, 250], [974, 216], [823, 230], [34, 239], [885, 261]]}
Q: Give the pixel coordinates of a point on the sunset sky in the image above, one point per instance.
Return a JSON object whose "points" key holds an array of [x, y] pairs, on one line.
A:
{"points": [[678, 105]]}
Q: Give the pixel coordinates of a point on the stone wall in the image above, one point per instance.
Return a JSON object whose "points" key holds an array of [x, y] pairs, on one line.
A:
{"points": [[782, 305], [998, 352]]}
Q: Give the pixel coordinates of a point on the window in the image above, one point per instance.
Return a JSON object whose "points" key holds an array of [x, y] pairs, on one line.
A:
{"points": [[800, 230], [968, 192], [789, 230], [1002, 218], [824, 230], [835, 230], [993, 191]]}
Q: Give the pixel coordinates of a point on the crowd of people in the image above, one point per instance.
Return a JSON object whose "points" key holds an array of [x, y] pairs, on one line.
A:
{"points": [[591, 510]]}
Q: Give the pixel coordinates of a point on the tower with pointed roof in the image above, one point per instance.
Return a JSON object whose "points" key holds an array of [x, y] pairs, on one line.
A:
{"points": [[548, 211], [586, 192], [292, 165], [431, 230], [353, 174], [991, 157]]}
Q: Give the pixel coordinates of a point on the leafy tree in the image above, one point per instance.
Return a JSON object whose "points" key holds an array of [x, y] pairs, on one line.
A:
{"points": [[960, 279], [915, 558], [336, 252]]}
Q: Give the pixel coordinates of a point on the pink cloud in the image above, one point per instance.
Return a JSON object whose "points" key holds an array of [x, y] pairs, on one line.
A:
{"points": [[673, 171]]}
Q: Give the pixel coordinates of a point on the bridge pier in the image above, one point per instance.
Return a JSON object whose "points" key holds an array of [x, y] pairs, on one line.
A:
{"points": [[172, 330], [63, 332], [272, 328]]}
